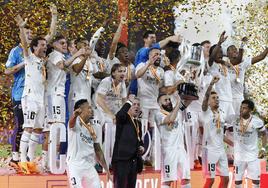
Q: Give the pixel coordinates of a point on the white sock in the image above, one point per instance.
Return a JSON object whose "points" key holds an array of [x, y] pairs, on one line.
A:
{"points": [[44, 158], [238, 186], [186, 185], [165, 186], [15, 156], [24, 141], [32, 145], [255, 185]]}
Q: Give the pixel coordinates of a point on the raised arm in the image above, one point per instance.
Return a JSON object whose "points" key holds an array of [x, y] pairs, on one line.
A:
{"points": [[100, 99], [174, 38], [21, 23], [72, 120], [215, 51], [142, 70], [207, 94], [117, 35], [260, 56], [65, 64], [77, 68], [53, 25]]}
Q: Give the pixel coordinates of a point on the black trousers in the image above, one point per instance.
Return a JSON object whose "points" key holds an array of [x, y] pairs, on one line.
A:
{"points": [[125, 173], [17, 131]]}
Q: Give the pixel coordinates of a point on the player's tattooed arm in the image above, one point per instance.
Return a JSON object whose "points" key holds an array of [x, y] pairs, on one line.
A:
{"points": [[101, 159], [207, 94]]}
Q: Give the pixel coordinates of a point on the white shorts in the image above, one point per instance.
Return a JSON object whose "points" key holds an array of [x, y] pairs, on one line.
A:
{"points": [[33, 113], [214, 163], [192, 135], [83, 177], [175, 163], [55, 108], [227, 108], [253, 170]]}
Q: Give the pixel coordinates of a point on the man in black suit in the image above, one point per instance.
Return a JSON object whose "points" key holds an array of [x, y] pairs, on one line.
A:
{"points": [[128, 146]]}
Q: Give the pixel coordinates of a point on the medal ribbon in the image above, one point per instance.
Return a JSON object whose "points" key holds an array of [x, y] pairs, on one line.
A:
{"points": [[136, 126], [116, 89], [153, 71], [224, 69], [218, 119], [236, 69], [89, 128], [244, 127], [166, 113]]}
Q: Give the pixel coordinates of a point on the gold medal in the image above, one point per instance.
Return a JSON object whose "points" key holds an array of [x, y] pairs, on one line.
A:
{"points": [[237, 80], [218, 131]]}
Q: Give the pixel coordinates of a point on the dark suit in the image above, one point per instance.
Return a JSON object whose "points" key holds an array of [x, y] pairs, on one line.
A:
{"points": [[125, 151]]}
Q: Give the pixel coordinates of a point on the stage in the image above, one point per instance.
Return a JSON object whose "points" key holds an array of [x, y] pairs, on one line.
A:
{"points": [[147, 179]]}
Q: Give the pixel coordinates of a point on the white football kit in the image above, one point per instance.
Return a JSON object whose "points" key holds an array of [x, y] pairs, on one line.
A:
{"points": [[81, 83], [81, 157], [32, 101], [55, 88], [175, 162], [148, 90], [223, 88], [246, 147], [113, 95], [214, 156], [237, 78]]}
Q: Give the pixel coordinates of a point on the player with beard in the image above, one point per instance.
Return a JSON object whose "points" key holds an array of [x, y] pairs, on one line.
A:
{"points": [[83, 147], [214, 156], [150, 79], [247, 127], [33, 95], [175, 161]]}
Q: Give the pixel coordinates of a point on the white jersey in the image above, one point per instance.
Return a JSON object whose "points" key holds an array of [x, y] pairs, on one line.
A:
{"points": [[81, 151], [212, 136], [148, 87], [246, 144], [98, 65], [81, 83], [56, 76], [170, 80], [170, 137], [113, 96], [34, 86], [223, 86], [238, 87]]}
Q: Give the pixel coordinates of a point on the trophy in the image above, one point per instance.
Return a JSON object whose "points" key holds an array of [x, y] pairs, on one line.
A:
{"points": [[190, 69]]}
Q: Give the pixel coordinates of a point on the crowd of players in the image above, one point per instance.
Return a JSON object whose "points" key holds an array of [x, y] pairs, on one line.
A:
{"points": [[188, 130]]}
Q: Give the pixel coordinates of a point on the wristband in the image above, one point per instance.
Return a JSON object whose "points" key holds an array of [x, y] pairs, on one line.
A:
{"points": [[129, 102], [242, 45], [263, 149], [182, 106]]}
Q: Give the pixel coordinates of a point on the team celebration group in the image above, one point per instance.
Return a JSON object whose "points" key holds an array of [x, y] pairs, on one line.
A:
{"points": [[156, 107]]}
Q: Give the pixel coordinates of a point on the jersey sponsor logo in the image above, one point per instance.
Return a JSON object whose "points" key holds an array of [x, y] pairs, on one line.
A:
{"points": [[86, 139]]}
